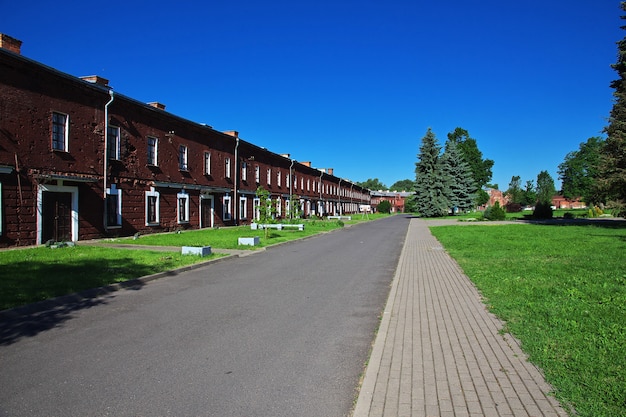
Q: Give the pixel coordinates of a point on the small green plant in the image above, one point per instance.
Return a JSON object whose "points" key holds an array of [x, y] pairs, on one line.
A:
{"points": [[494, 212], [384, 207], [543, 210]]}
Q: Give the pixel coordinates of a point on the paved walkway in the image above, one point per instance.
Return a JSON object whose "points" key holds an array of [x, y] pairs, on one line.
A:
{"points": [[439, 353]]}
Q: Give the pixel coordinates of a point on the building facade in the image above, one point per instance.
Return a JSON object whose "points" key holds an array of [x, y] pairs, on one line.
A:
{"points": [[80, 161]]}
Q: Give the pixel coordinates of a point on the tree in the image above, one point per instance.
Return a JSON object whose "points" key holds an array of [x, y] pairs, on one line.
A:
{"points": [[403, 185], [384, 207], [372, 184], [481, 168], [530, 194], [461, 187], [266, 208], [545, 187], [431, 183], [612, 174], [515, 192], [579, 171]]}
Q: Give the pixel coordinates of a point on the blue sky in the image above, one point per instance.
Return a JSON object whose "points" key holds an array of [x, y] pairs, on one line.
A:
{"points": [[351, 85]]}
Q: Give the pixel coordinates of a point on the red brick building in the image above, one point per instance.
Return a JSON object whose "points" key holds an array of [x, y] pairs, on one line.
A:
{"points": [[396, 198], [79, 161]]}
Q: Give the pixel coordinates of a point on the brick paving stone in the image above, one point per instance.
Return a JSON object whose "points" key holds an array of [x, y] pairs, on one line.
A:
{"points": [[439, 353]]}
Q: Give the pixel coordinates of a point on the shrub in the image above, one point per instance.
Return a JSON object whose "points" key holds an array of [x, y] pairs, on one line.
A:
{"points": [[543, 211], [513, 208], [494, 212], [384, 207]]}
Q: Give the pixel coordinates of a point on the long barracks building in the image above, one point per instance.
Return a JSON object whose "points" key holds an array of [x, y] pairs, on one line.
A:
{"points": [[78, 161]]}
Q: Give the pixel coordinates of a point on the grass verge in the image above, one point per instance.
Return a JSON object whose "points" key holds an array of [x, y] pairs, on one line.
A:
{"points": [[562, 292], [36, 274]]}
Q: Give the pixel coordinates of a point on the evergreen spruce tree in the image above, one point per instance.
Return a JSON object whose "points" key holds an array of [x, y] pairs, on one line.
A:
{"points": [[462, 187], [612, 175], [431, 184]]}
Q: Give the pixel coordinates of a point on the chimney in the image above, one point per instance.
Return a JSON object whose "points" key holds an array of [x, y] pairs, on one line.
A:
{"points": [[10, 44], [157, 105], [306, 164], [286, 155], [330, 171], [96, 79], [232, 133]]}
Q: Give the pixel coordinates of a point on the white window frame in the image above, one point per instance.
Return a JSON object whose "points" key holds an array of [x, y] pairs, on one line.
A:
{"points": [[183, 153], [278, 178], [65, 133], [302, 183], [308, 184], [157, 212], [257, 174], [244, 171], [226, 208], [269, 176], [155, 157], [256, 202], [243, 208], [227, 168], [114, 142], [207, 163], [118, 210], [182, 215], [279, 207]]}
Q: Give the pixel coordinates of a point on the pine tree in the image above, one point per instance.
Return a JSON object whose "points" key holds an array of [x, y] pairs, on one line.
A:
{"points": [[431, 182], [612, 176], [462, 187]]}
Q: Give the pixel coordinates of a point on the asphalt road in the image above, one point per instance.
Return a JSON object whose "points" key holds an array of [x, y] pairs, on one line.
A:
{"points": [[283, 332]]}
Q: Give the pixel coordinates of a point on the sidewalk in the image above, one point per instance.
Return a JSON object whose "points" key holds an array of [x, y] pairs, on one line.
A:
{"points": [[439, 353]]}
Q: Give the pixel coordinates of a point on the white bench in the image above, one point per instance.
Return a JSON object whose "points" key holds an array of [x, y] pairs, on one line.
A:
{"points": [[249, 241], [278, 226], [339, 217], [201, 251]]}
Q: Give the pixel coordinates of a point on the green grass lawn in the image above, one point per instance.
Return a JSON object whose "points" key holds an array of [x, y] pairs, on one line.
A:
{"points": [[36, 274], [562, 291]]}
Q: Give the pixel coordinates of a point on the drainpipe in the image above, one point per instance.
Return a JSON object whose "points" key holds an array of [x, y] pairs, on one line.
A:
{"points": [[321, 202], [290, 189], [105, 164], [236, 202], [339, 195]]}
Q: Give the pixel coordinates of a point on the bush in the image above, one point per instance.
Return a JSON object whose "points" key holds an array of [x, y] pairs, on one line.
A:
{"points": [[513, 208], [384, 207], [494, 212], [543, 211]]}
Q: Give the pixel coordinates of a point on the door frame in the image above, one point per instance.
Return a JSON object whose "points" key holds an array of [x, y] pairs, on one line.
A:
{"points": [[45, 188], [212, 215]]}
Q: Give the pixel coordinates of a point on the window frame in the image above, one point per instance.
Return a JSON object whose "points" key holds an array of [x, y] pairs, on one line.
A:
{"points": [[117, 143], [183, 158], [227, 213], [182, 213], [113, 191], [227, 168], [1, 211], [244, 171], [152, 144], [55, 133], [207, 163], [257, 174], [269, 176], [243, 208], [153, 195]]}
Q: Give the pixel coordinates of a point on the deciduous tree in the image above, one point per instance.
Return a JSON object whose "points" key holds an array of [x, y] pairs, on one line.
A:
{"points": [[481, 168], [579, 171]]}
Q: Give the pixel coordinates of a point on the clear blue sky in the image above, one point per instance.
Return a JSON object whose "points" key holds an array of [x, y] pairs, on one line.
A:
{"points": [[346, 84]]}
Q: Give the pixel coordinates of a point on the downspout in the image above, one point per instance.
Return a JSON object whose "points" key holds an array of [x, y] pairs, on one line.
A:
{"points": [[321, 202], [106, 156], [290, 189], [236, 200]]}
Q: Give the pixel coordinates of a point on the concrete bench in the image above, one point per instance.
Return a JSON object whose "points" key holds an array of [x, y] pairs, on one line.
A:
{"points": [[249, 241], [201, 251], [339, 217], [293, 226]]}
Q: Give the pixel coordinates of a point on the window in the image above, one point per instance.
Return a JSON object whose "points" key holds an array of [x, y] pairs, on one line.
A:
{"points": [[302, 183], [227, 168], [278, 178], [226, 208], [269, 176], [257, 174], [152, 151], [287, 181], [308, 184], [243, 207], [60, 131], [0, 209], [152, 207], [182, 158], [207, 163], [113, 142], [114, 206], [244, 171], [256, 203], [279, 205], [183, 207]]}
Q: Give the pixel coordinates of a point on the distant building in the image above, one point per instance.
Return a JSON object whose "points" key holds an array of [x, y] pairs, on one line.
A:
{"points": [[396, 198]]}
